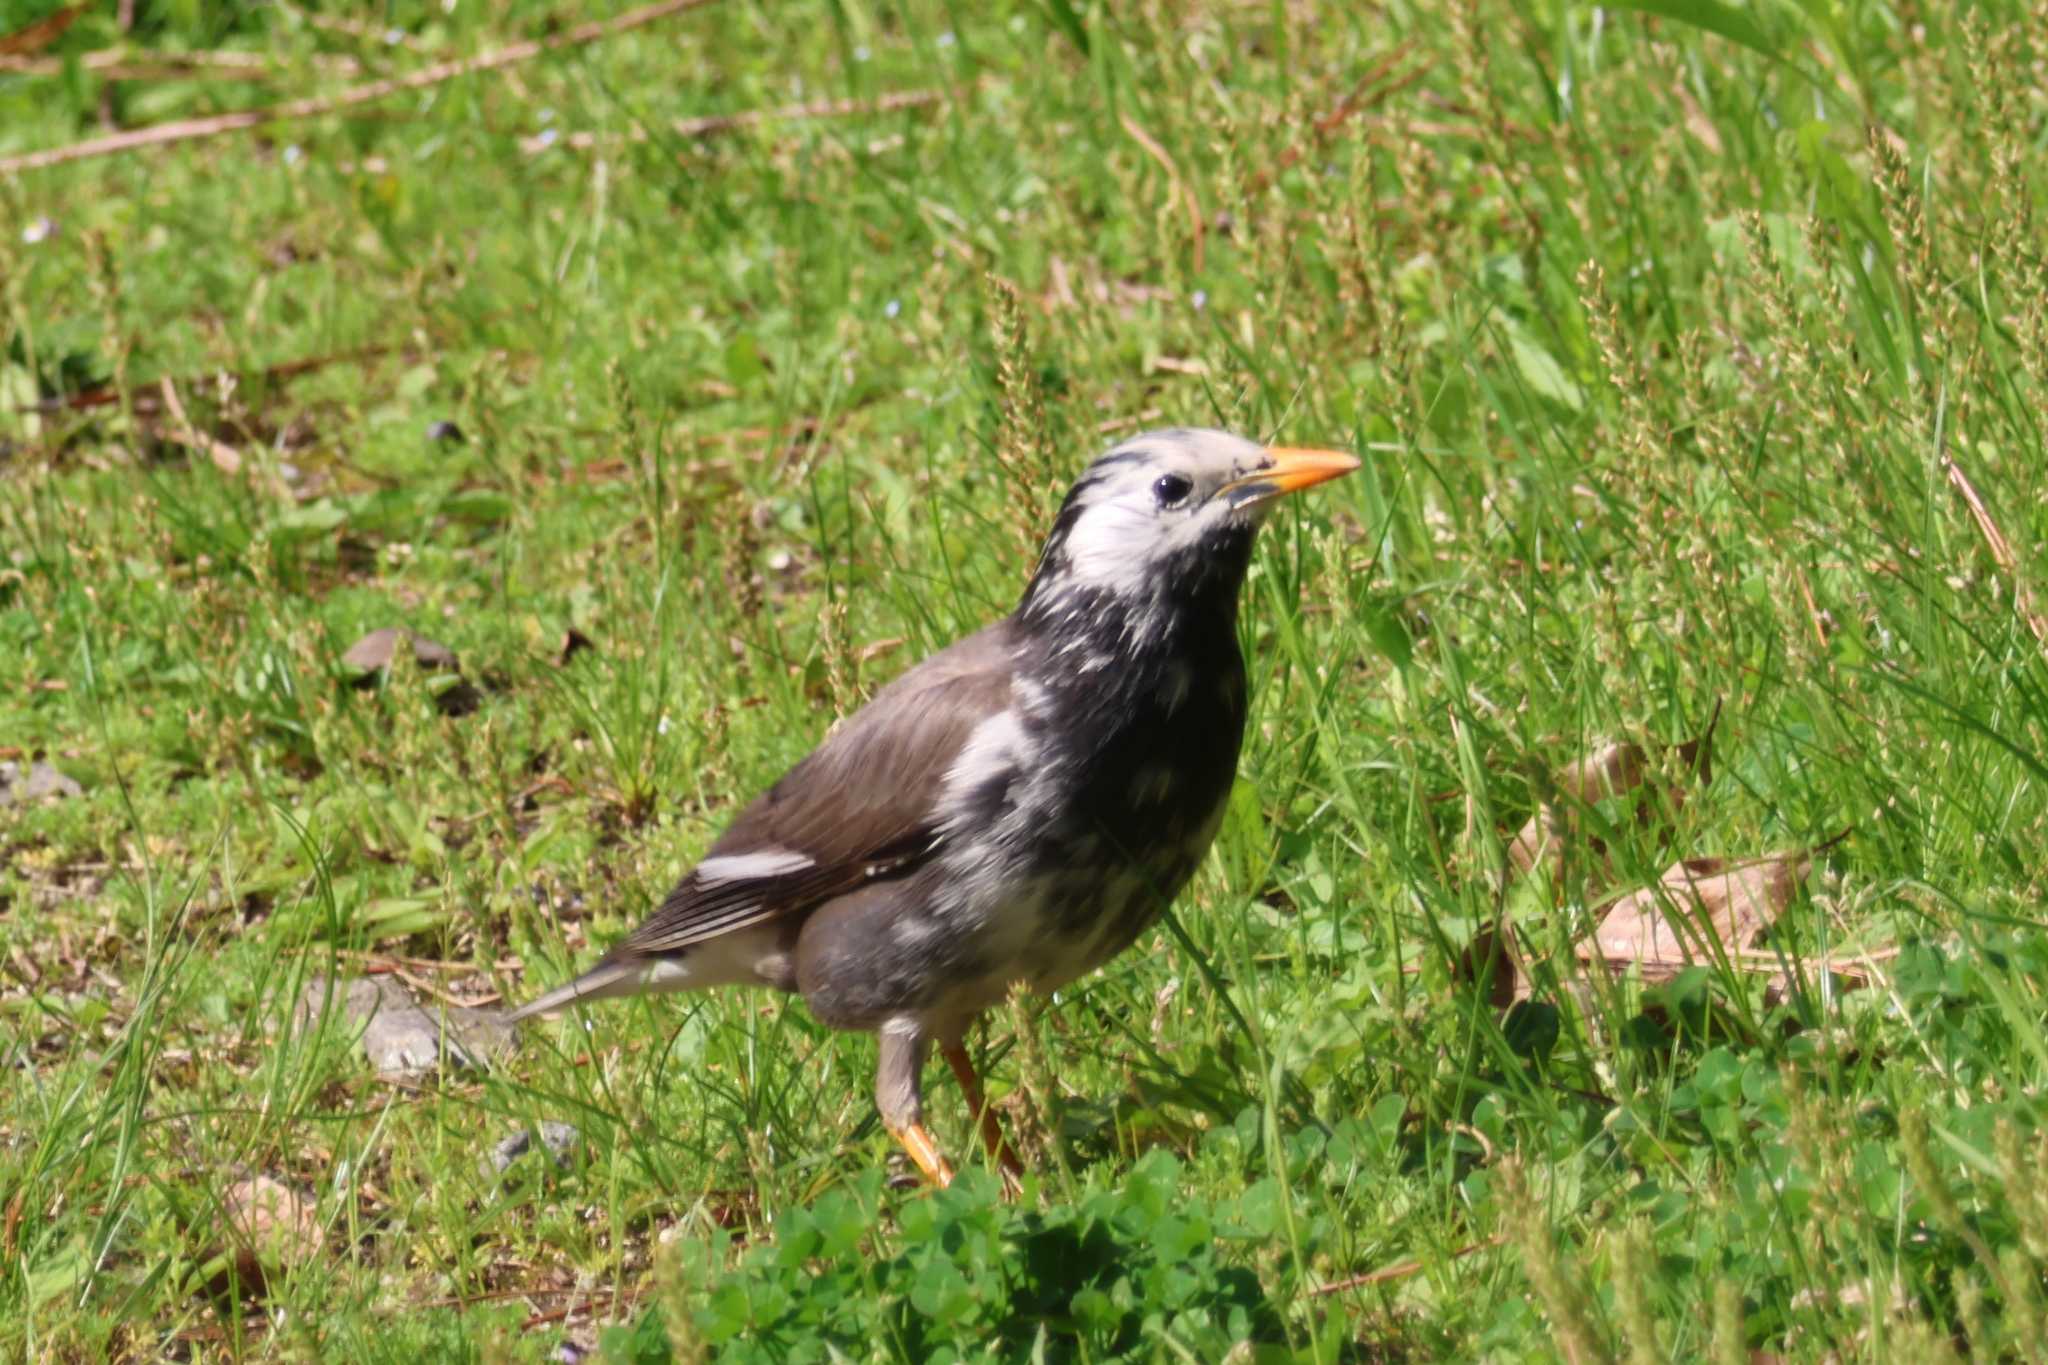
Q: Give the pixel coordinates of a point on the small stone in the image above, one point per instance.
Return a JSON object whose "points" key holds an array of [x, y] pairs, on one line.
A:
{"points": [[41, 782], [403, 1039], [557, 1139]]}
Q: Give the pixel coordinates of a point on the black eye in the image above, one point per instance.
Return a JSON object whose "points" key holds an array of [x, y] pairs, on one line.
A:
{"points": [[1171, 490]]}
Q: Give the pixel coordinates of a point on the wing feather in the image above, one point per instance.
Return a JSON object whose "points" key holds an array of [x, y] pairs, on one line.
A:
{"points": [[863, 806]]}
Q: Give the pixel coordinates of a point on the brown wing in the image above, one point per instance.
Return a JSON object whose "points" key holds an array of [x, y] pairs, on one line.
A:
{"points": [[862, 806]]}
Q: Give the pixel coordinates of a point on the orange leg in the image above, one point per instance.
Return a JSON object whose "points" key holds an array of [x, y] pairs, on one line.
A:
{"points": [[925, 1152], [999, 1150]]}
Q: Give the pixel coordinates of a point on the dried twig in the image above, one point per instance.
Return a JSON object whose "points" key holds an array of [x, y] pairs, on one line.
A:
{"points": [[10, 1233], [725, 123], [1814, 617], [105, 395], [189, 130], [375, 963], [581, 1300], [2001, 551], [596, 1301], [1401, 1270], [425, 987], [1173, 180], [124, 64], [225, 457]]}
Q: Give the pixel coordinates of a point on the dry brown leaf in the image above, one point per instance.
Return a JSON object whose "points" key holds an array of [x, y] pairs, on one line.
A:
{"points": [[1612, 770], [271, 1228], [375, 651], [1605, 772], [1699, 911], [1491, 962]]}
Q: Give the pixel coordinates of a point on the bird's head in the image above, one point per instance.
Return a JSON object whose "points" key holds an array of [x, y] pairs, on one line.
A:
{"points": [[1169, 514]]}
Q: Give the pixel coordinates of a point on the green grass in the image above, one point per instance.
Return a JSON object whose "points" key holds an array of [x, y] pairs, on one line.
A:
{"points": [[1657, 327]]}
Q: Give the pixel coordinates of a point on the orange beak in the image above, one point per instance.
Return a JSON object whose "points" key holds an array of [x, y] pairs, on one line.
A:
{"points": [[1292, 469]]}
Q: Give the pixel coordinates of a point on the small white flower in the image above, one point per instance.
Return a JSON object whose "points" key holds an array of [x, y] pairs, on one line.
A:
{"points": [[1200, 299], [947, 39], [891, 308], [861, 54], [40, 230], [393, 37], [547, 137], [292, 155], [661, 727]]}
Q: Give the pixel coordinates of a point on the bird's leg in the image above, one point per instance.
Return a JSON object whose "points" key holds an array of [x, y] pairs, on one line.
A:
{"points": [[897, 1086], [999, 1149]]}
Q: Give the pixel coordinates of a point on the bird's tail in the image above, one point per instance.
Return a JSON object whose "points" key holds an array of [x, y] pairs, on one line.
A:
{"points": [[607, 979]]}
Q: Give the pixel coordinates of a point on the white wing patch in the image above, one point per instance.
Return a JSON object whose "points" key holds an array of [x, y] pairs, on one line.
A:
{"points": [[997, 746], [747, 867]]}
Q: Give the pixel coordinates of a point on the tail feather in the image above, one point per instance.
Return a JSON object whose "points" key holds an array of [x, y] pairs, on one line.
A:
{"points": [[606, 980]]}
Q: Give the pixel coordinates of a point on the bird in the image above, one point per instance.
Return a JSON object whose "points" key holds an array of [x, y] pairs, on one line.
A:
{"points": [[1019, 807]]}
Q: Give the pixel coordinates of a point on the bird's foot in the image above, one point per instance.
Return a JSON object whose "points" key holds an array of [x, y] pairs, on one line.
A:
{"points": [[924, 1150]]}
